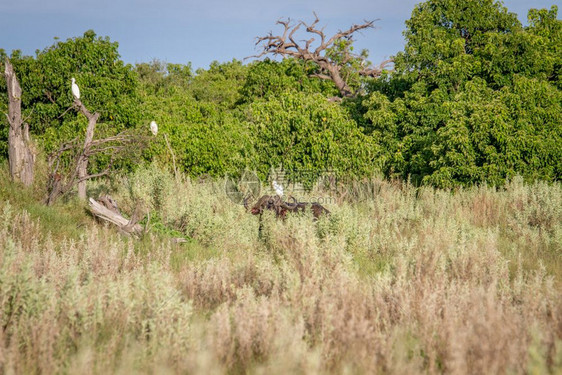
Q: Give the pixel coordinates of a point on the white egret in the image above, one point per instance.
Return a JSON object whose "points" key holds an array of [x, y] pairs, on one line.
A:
{"points": [[154, 127], [75, 89], [278, 188]]}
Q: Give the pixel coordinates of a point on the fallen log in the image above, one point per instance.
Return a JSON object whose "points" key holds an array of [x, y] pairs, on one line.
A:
{"points": [[112, 215]]}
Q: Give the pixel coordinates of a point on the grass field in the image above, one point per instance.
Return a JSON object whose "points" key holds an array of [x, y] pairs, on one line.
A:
{"points": [[397, 280]]}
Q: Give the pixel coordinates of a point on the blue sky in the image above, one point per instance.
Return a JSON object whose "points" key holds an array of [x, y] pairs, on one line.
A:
{"points": [[182, 31]]}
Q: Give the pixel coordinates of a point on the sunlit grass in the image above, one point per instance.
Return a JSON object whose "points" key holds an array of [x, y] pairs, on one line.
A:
{"points": [[398, 279]]}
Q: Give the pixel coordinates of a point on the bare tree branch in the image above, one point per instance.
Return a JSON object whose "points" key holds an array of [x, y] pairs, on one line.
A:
{"points": [[329, 67], [376, 71], [76, 173]]}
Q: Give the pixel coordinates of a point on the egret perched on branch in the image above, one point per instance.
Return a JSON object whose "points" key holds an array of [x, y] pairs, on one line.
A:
{"points": [[278, 188], [75, 89], [154, 127]]}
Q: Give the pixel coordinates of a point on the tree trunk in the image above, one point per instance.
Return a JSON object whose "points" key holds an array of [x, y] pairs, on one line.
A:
{"points": [[82, 166], [21, 153], [336, 77]]}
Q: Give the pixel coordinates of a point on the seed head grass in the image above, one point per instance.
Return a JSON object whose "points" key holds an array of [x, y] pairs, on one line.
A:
{"points": [[398, 279]]}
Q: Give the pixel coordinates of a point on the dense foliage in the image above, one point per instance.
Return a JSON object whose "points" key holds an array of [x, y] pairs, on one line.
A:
{"points": [[107, 85], [475, 97], [303, 132]]}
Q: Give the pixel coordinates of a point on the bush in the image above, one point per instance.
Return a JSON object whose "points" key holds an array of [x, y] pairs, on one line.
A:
{"points": [[302, 132]]}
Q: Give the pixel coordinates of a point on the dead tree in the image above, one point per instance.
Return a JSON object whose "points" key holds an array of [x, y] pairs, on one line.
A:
{"points": [[331, 65], [106, 209], [62, 180], [82, 165], [21, 152]]}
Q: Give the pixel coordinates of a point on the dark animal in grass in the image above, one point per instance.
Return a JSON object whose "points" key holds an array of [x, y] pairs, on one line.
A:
{"points": [[276, 204]]}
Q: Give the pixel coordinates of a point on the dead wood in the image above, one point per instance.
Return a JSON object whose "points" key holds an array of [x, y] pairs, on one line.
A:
{"points": [[82, 165], [61, 182], [21, 151], [106, 209], [330, 66]]}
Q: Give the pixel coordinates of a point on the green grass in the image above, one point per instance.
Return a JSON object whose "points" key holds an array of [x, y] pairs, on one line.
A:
{"points": [[404, 280]]}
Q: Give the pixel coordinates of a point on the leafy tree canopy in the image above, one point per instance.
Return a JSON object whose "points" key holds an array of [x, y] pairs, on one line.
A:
{"points": [[271, 78], [449, 42], [107, 86], [475, 97], [301, 132], [157, 76]]}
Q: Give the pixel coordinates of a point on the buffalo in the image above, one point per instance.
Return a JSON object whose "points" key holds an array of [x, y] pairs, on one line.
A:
{"points": [[281, 208]]}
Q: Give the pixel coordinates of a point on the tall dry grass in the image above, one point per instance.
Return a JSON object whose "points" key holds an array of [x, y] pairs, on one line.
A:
{"points": [[397, 280]]}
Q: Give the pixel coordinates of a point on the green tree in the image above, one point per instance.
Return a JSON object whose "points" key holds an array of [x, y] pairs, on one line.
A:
{"points": [[157, 75], [446, 40], [451, 42], [205, 137], [271, 78], [298, 131], [107, 85], [547, 30], [220, 84], [475, 97]]}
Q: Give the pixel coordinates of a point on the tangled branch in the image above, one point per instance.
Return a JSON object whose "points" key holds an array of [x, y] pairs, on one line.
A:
{"points": [[330, 67]]}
